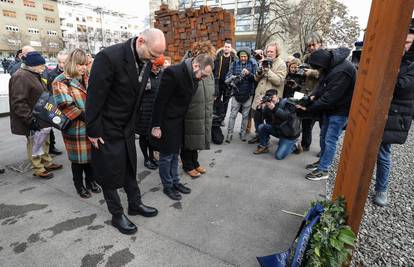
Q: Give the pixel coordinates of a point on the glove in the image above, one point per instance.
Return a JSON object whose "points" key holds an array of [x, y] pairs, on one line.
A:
{"points": [[81, 117], [34, 125]]}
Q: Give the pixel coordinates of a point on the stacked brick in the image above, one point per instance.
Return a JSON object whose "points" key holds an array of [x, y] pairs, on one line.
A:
{"points": [[183, 28]]}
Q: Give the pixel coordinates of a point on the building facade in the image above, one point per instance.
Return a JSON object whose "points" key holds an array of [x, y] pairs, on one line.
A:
{"points": [[29, 22], [92, 28]]}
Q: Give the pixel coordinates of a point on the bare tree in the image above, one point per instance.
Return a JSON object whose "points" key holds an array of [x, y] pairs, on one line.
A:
{"points": [[329, 17], [15, 40], [51, 45], [271, 20]]}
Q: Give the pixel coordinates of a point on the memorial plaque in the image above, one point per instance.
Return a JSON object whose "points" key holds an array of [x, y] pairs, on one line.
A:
{"points": [[381, 55]]}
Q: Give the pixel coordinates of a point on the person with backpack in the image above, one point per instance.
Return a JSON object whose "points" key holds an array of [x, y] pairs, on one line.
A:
{"points": [[282, 122], [241, 78]]}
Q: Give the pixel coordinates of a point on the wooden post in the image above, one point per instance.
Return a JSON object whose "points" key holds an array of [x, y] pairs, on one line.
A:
{"points": [[381, 55]]}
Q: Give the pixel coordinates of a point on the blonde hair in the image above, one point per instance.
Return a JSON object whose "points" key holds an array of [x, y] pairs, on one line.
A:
{"points": [[76, 57], [277, 46]]}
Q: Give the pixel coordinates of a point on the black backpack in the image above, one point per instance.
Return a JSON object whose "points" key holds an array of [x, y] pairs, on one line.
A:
{"points": [[217, 136]]}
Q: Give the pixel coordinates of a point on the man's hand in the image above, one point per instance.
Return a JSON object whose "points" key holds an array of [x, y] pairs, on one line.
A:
{"points": [[300, 107], [245, 72], [270, 105], [156, 132], [95, 141]]}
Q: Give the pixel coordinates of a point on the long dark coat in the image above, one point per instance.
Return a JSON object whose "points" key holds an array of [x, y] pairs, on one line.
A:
{"points": [[25, 88], [199, 117], [114, 94], [171, 105]]}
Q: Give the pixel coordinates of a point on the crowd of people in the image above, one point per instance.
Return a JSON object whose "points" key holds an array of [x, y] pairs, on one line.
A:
{"points": [[132, 89]]}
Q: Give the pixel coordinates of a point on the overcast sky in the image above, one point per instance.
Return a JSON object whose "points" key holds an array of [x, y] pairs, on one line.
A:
{"points": [[140, 8]]}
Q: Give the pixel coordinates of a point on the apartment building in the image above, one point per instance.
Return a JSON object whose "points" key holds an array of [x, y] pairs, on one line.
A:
{"points": [[29, 22]]}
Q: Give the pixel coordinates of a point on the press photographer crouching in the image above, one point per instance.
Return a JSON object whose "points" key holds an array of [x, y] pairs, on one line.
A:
{"points": [[282, 122]]}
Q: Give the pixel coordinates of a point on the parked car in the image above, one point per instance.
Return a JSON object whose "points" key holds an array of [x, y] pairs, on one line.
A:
{"points": [[50, 65]]}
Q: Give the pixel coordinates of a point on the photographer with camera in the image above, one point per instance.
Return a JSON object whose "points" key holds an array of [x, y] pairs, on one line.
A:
{"points": [[314, 42], [281, 122], [332, 98], [270, 75], [225, 56], [295, 78], [240, 78]]}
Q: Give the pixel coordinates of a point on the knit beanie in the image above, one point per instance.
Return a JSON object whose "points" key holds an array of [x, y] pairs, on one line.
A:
{"points": [[33, 59], [321, 58]]}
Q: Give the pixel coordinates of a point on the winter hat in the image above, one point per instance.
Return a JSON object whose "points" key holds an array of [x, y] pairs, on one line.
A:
{"points": [[33, 59], [243, 53], [321, 58]]}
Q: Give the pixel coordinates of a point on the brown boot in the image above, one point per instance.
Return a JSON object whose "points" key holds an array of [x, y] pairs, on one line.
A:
{"points": [[43, 175], [261, 150], [53, 167]]}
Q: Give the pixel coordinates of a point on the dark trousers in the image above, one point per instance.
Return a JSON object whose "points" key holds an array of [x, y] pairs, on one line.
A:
{"points": [[258, 119], [189, 159], [131, 189], [52, 140], [77, 172], [307, 126], [224, 96], [146, 147]]}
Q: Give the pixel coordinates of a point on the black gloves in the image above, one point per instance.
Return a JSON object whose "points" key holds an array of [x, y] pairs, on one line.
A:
{"points": [[34, 125]]}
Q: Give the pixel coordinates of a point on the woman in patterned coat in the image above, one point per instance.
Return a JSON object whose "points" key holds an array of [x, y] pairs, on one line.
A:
{"points": [[69, 93]]}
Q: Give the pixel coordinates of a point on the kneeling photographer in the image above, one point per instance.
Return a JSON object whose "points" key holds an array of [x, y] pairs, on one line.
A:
{"points": [[281, 122], [240, 79]]}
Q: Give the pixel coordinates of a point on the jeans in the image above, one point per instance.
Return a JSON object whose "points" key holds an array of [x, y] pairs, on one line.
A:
{"points": [[332, 128], [286, 146], [383, 168], [168, 169], [235, 107]]}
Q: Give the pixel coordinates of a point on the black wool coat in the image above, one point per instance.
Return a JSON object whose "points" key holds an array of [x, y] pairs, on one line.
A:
{"points": [[144, 116], [114, 94], [171, 105]]}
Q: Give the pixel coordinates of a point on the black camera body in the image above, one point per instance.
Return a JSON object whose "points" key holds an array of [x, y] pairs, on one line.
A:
{"points": [[302, 67], [267, 63], [305, 101], [233, 83], [267, 98]]}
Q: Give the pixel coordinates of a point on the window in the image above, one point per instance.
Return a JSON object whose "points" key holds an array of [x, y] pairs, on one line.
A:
{"points": [[244, 11], [98, 20], [7, 1], [90, 29], [52, 33], [33, 31], [49, 20], [31, 17], [48, 7], [8, 13], [69, 25], [10, 28], [29, 3]]}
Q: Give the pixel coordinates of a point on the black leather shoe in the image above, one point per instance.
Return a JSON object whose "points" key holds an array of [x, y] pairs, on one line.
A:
{"points": [[172, 193], [182, 189], [55, 151], [150, 165], [155, 162], [124, 225], [143, 210], [83, 192], [93, 187]]}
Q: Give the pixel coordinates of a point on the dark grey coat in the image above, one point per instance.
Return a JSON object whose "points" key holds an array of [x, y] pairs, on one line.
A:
{"points": [[198, 119]]}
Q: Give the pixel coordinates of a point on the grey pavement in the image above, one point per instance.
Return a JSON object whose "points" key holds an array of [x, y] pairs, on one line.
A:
{"points": [[233, 214]]}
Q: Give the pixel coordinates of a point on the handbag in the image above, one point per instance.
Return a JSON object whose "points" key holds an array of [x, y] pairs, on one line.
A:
{"points": [[46, 110]]}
